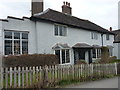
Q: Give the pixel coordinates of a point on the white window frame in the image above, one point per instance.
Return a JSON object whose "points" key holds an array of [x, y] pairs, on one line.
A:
{"points": [[97, 53], [94, 35], [64, 32], [107, 37], [12, 39], [65, 56]]}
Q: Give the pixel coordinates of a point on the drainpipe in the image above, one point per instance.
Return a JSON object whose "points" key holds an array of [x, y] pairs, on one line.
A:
{"points": [[36, 36], [102, 39]]}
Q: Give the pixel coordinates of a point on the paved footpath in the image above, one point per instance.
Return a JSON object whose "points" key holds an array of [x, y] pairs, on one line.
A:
{"points": [[104, 83]]}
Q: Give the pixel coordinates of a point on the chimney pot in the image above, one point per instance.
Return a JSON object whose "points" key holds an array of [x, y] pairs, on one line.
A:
{"points": [[66, 8], [110, 29], [64, 3], [69, 4]]}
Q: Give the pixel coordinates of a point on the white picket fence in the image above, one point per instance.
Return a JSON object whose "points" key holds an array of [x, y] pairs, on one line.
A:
{"points": [[25, 77]]}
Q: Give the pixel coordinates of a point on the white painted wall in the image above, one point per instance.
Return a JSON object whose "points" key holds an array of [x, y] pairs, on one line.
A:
{"points": [[108, 42], [23, 25], [115, 50], [42, 38], [47, 39]]}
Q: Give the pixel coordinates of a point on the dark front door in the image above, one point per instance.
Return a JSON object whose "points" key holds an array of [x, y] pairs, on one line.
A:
{"points": [[79, 54]]}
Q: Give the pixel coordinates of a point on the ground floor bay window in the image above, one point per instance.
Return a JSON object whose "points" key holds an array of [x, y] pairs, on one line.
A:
{"points": [[63, 53], [96, 53], [15, 43]]}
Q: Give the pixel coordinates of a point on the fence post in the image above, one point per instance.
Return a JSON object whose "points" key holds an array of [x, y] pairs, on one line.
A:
{"points": [[115, 68], [11, 76], [1, 78], [45, 77]]}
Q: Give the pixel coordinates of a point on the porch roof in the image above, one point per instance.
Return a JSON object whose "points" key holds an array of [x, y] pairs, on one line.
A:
{"points": [[82, 45], [61, 46], [96, 46]]}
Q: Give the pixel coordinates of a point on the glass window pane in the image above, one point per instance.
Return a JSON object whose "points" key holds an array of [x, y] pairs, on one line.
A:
{"points": [[8, 47], [92, 35], [16, 35], [60, 29], [67, 56], [65, 31], [107, 36], [24, 35], [57, 52], [24, 47], [63, 56], [8, 35], [56, 30], [16, 47], [94, 53]]}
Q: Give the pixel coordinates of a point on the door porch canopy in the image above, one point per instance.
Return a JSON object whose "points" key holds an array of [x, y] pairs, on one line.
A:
{"points": [[82, 46]]}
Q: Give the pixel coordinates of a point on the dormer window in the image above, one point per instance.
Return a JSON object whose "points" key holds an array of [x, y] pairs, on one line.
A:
{"points": [[60, 30]]}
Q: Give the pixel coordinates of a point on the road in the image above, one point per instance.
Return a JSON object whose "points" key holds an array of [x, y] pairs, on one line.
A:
{"points": [[104, 83]]}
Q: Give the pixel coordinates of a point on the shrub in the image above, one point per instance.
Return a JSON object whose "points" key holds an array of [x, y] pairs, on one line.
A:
{"points": [[104, 55], [30, 60], [81, 62]]}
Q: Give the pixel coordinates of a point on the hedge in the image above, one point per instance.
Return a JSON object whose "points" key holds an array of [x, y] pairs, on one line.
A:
{"points": [[30, 60]]}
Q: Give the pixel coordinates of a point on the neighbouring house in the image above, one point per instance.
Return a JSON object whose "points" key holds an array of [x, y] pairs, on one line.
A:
{"points": [[117, 43], [54, 32]]}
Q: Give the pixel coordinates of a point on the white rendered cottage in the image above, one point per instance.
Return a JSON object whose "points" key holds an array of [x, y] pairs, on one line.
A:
{"points": [[53, 32]]}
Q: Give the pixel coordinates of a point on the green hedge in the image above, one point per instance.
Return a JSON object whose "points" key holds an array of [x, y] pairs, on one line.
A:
{"points": [[30, 60]]}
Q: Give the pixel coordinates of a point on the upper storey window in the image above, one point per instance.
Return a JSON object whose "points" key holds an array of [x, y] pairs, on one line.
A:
{"points": [[60, 30], [107, 37], [94, 35]]}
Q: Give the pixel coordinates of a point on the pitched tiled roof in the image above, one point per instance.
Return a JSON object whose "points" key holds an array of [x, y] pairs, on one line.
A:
{"points": [[117, 36], [59, 17]]}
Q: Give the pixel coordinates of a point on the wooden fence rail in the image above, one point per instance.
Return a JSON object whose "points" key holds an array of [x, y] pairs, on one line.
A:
{"points": [[25, 77]]}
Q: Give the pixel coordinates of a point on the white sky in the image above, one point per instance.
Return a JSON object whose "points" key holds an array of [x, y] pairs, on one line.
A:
{"points": [[101, 12]]}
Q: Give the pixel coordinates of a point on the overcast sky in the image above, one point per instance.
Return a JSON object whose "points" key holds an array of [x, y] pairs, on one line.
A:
{"points": [[101, 12]]}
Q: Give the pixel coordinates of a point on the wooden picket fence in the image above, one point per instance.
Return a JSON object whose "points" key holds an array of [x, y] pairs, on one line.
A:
{"points": [[29, 77]]}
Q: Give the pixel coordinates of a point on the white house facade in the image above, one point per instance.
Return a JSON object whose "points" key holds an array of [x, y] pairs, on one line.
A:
{"points": [[53, 32]]}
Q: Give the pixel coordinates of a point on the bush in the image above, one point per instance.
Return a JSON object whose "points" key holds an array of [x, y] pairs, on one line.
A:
{"points": [[105, 55], [30, 60], [81, 62]]}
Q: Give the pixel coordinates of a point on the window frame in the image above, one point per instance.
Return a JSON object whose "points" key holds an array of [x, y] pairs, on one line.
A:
{"points": [[94, 35], [107, 37], [60, 58], [13, 40], [61, 30]]}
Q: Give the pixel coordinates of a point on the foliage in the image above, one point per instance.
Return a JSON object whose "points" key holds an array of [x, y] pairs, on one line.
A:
{"points": [[104, 55], [115, 60], [81, 62], [30, 60]]}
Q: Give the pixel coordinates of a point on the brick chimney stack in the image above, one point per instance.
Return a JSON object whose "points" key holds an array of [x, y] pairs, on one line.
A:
{"points": [[66, 8], [36, 6]]}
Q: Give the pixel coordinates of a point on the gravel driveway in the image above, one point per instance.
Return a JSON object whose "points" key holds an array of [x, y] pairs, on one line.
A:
{"points": [[104, 83]]}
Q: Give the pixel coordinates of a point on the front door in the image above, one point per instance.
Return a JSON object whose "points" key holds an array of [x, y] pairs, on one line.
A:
{"points": [[82, 54]]}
